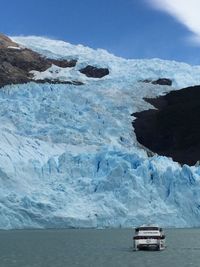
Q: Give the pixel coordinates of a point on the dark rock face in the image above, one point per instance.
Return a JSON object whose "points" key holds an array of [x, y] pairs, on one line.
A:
{"points": [[16, 63], [55, 81], [160, 81], [94, 72], [163, 81], [174, 129], [63, 63], [6, 42]]}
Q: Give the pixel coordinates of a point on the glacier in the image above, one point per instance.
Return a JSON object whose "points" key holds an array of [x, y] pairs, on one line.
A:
{"points": [[69, 155]]}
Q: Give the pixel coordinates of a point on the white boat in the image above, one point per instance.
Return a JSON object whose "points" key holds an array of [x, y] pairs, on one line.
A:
{"points": [[149, 237]]}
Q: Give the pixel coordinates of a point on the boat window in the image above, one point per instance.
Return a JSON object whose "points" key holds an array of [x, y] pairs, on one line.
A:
{"points": [[146, 228], [148, 237]]}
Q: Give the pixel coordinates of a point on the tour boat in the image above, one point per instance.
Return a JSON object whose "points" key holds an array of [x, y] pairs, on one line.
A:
{"points": [[149, 237]]}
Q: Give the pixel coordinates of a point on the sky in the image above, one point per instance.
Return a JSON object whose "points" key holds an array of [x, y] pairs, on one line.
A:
{"points": [[167, 29]]}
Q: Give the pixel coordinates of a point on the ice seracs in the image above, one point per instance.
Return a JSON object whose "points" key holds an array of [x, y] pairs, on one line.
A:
{"points": [[149, 237]]}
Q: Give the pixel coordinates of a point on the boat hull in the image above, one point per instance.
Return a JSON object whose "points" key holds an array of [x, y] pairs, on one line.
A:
{"points": [[149, 244]]}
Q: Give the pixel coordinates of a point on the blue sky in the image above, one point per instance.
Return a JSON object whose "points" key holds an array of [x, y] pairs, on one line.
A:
{"points": [[127, 28]]}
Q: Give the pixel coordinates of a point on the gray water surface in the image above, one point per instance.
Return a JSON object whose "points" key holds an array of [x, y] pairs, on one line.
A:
{"points": [[98, 248]]}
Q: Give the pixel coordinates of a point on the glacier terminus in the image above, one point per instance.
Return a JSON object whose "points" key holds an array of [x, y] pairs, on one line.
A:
{"points": [[69, 156]]}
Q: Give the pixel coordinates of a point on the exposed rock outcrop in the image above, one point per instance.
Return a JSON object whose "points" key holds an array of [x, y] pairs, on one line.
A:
{"points": [[173, 129], [56, 81], [63, 63], [5, 42], [163, 81], [94, 72], [16, 63], [160, 81]]}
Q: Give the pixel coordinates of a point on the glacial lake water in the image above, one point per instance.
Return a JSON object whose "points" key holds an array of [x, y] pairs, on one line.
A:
{"points": [[95, 248]]}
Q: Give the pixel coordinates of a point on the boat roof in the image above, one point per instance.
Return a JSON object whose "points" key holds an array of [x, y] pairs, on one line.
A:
{"points": [[148, 228]]}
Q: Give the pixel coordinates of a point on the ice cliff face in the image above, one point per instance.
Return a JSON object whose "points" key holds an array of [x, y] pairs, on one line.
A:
{"points": [[69, 156]]}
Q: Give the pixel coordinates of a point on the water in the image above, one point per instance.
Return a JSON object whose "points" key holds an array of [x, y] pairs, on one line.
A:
{"points": [[95, 248]]}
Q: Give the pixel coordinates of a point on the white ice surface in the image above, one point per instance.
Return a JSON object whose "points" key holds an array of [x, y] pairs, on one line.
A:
{"points": [[121, 70], [69, 156]]}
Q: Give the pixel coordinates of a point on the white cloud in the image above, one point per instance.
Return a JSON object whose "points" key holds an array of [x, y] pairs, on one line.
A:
{"points": [[185, 11]]}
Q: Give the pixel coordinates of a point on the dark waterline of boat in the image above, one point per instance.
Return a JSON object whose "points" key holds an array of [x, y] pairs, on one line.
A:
{"points": [[95, 248]]}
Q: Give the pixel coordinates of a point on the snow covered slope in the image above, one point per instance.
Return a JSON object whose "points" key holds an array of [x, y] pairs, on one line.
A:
{"points": [[69, 156]]}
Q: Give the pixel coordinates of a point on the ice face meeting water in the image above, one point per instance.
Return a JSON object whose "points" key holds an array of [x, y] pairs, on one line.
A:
{"points": [[69, 155]]}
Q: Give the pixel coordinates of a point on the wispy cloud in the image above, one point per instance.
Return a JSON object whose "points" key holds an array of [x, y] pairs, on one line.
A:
{"points": [[185, 11]]}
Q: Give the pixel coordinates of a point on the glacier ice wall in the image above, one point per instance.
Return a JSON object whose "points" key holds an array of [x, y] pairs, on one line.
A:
{"points": [[69, 156]]}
